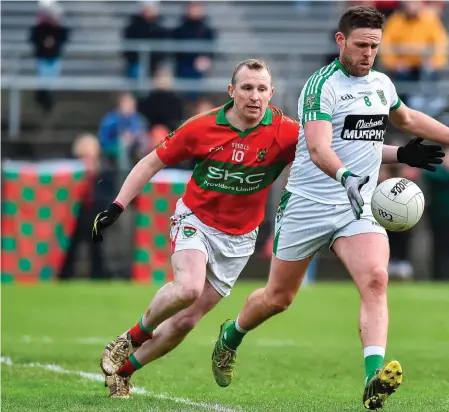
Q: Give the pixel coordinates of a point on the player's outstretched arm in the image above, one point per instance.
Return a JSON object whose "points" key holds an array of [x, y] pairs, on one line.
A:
{"points": [[419, 124], [139, 176], [414, 154], [318, 134]]}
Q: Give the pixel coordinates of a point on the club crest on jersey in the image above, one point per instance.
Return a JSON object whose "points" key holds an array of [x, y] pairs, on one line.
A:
{"points": [[261, 153], [279, 214], [381, 95], [310, 100], [188, 231]]}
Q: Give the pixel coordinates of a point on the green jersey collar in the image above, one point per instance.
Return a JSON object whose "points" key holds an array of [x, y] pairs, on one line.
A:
{"points": [[341, 67], [221, 119]]}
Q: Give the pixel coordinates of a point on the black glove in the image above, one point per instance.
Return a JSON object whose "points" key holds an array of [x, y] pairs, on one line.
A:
{"points": [[353, 184], [416, 154], [104, 220]]}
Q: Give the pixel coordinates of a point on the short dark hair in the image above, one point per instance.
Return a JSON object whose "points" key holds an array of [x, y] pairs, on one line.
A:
{"points": [[121, 95], [361, 17], [252, 64]]}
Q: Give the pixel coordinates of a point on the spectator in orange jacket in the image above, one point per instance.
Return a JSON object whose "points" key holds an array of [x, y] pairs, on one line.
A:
{"points": [[415, 48]]}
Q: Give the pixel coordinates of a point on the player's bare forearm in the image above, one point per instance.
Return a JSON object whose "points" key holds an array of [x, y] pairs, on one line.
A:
{"points": [[318, 135], [327, 160], [139, 176], [420, 124], [389, 154]]}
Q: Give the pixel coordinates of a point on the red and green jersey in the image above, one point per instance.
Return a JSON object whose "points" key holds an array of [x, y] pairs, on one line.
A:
{"points": [[235, 169]]}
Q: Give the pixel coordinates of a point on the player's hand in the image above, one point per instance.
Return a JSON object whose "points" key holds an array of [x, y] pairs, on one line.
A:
{"points": [[416, 154], [353, 184], [105, 219]]}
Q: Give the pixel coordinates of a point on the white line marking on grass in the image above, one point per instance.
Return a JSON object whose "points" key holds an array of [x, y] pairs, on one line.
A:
{"points": [[50, 340], [97, 377], [93, 341], [210, 342]]}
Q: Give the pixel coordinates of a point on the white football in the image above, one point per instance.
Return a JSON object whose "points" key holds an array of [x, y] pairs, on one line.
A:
{"points": [[397, 204]]}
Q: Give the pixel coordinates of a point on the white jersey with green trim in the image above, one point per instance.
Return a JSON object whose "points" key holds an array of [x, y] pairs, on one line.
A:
{"points": [[358, 108]]}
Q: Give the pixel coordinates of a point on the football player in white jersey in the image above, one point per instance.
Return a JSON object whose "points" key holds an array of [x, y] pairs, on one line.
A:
{"points": [[344, 108]]}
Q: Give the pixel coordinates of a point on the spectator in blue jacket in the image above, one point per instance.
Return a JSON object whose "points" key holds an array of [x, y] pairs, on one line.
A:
{"points": [[122, 132]]}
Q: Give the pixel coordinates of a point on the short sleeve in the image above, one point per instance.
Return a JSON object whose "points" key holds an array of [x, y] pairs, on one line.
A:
{"points": [[395, 101], [318, 100], [289, 138], [177, 146]]}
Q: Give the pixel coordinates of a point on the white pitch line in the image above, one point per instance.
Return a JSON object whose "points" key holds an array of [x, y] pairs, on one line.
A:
{"points": [[210, 342], [97, 377]]}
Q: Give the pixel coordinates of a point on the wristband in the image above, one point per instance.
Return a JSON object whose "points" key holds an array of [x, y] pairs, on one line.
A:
{"points": [[399, 154], [119, 204], [340, 173], [115, 209]]}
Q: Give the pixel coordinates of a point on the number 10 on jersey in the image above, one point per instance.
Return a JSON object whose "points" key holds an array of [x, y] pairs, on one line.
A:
{"points": [[238, 155]]}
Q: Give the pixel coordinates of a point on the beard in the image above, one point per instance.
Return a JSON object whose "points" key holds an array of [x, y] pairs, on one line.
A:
{"points": [[351, 66]]}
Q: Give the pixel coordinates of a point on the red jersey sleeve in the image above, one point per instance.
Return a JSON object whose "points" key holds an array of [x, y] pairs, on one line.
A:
{"points": [[177, 146], [288, 137]]}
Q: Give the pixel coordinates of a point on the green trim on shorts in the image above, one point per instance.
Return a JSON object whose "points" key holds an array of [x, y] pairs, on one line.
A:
{"points": [[276, 241], [279, 215]]}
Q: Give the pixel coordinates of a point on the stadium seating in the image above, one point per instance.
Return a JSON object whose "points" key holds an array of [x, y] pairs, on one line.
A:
{"points": [[295, 40], [240, 26]]}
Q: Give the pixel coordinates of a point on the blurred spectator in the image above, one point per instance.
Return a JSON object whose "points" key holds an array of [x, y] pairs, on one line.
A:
{"points": [[163, 106], [193, 27], [414, 48], [387, 7], [156, 134], [147, 25], [437, 199], [122, 133], [86, 148], [437, 6], [203, 105], [48, 38]]}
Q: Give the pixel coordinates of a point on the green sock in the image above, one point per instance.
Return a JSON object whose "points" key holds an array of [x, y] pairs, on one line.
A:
{"points": [[372, 363], [135, 362], [232, 337]]}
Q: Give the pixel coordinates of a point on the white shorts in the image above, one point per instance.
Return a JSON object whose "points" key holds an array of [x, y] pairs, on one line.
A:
{"points": [[303, 226], [226, 255]]}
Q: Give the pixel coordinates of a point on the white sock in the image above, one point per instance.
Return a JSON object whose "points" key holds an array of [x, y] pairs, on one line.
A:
{"points": [[373, 350], [237, 326]]}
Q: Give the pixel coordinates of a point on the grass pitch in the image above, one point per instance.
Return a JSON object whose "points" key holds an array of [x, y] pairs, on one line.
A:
{"points": [[306, 359]]}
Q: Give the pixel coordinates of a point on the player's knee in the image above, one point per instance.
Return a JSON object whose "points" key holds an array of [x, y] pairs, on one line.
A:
{"points": [[377, 282], [184, 324], [278, 302], [188, 294]]}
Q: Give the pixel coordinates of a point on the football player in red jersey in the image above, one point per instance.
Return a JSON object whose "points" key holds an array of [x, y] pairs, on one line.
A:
{"points": [[242, 148]]}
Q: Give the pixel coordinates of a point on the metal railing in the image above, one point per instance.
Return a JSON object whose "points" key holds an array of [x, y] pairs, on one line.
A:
{"points": [[294, 80]]}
